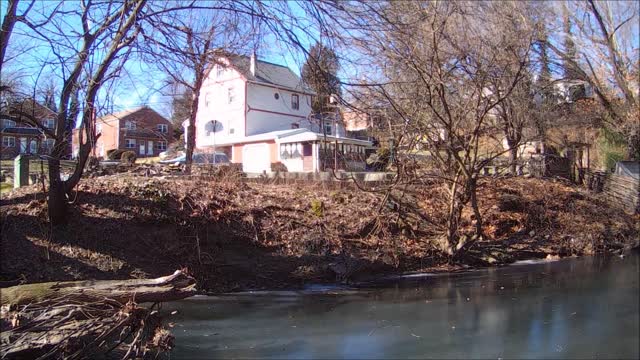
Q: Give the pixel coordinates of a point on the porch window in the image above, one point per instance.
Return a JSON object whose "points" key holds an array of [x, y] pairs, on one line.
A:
{"points": [[33, 147], [306, 150], [48, 145], [130, 143], [295, 102], [8, 141]]}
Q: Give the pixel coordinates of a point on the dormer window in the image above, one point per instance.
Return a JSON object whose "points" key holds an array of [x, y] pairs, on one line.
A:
{"points": [[295, 102], [130, 125]]}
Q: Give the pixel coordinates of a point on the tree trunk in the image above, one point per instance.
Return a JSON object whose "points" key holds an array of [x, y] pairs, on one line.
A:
{"points": [[473, 189], [57, 202], [513, 156]]}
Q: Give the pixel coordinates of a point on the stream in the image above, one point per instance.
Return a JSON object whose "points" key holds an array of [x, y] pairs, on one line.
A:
{"points": [[572, 308]]}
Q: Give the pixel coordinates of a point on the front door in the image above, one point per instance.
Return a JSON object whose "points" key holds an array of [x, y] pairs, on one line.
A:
{"points": [[150, 147], [142, 148]]}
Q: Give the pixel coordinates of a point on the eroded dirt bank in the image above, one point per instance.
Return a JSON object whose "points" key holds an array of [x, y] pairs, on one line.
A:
{"points": [[232, 235]]}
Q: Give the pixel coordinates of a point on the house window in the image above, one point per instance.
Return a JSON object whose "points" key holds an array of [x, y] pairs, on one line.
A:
{"points": [[8, 141], [161, 145], [130, 125], [130, 143], [219, 71], [327, 128], [276, 96], [230, 95], [8, 123], [163, 128], [295, 125], [33, 147], [295, 102], [231, 131], [49, 123], [48, 145]]}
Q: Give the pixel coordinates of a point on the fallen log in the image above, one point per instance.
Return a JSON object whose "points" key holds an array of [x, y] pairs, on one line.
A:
{"points": [[88, 319], [167, 288]]}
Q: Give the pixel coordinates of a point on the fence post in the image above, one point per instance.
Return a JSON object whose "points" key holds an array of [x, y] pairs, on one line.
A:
{"points": [[20, 171]]}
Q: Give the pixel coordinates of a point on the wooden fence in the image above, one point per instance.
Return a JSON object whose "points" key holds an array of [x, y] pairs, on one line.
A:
{"points": [[621, 191]]}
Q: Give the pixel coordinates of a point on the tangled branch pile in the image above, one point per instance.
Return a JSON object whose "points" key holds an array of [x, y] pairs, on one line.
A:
{"points": [[89, 319]]}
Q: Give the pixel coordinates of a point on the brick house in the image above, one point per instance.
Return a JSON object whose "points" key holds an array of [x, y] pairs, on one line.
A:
{"points": [[22, 138], [141, 130]]}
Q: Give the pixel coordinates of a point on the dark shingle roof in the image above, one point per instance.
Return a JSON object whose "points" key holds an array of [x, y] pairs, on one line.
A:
{"points": [[268, 73]]}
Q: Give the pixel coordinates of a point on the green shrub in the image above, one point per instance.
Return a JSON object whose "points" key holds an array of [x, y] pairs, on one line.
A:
{"points": [[611, 147], [317, 207], [128, 157]]}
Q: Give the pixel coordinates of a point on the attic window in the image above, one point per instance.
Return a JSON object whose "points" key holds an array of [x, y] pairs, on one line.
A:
{"points": [[276, 96]]}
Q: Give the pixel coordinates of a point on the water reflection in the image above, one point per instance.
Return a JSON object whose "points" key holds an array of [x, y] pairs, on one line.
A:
{"points": [[581, 308]]}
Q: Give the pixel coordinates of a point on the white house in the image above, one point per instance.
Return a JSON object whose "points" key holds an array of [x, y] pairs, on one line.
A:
{"points": [[259, 113]]}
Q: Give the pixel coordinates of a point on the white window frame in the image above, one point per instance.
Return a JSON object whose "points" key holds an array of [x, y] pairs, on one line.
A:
{"points": [[295, 105], [49, 123], [130, 143], [163, 128], [8, 141], [327, 128], [219, 71], [231, 95], [33, 146], [129, 125], [6, 123], [161, 145]]}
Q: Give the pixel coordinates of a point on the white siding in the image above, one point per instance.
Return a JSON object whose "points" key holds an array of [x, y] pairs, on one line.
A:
{"points": [[266, 113]]}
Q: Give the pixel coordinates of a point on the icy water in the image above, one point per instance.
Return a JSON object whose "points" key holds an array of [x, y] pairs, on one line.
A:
{"points": [[576, 308]]}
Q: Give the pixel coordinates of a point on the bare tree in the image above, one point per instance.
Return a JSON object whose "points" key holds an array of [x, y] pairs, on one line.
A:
{"points": [[605, 34], [85, 56], [422, 63]]}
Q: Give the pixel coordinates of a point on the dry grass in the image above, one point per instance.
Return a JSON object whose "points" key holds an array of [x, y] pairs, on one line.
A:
{"points": [[235, 235]]}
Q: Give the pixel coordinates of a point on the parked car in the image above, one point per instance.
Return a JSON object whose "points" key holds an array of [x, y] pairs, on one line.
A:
{"points": [[201, 158]]}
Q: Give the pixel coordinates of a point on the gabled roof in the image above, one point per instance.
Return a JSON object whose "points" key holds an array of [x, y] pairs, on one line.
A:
{"points": [[268, 73], [126, 113]]}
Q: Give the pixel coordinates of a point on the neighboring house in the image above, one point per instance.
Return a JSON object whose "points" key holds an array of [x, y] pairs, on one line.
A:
{"points": [[20, 138], [568, 91], [259, 113], [141, 130]]}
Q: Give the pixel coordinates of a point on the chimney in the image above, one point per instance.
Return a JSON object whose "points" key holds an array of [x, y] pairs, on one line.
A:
{"points": [[253, 63]]}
